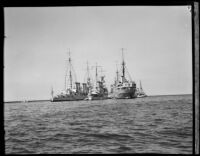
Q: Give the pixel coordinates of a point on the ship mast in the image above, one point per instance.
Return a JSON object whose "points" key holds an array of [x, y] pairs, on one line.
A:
{"points": [[70, 72], [96, 74], [102, 75], [123, 66], [65, 80], [88, 74], [117, 73], [70, 75], [52, 93], [141, 87]]}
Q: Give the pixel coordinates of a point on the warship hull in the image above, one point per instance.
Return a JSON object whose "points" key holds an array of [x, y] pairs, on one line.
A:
{"points": [[141, 96], [97, 97], [124, 93], [69, 98]]}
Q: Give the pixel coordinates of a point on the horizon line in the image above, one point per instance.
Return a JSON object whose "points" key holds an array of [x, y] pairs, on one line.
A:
{"points": [[32, 100]]}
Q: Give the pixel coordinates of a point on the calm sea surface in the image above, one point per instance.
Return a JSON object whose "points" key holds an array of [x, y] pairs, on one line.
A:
{"points": [[157, 124]]}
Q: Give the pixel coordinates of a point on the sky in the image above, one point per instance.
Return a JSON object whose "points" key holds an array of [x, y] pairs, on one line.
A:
{"points": [[157, 42]]}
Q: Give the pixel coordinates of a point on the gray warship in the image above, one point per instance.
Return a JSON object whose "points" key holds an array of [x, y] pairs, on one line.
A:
{"points": [[98, 90], [73, 91]]}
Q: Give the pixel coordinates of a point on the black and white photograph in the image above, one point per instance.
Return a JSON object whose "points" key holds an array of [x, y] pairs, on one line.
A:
{"points": [[98, 80]]}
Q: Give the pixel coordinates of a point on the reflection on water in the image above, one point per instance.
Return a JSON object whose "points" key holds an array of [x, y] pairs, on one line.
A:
{"points": [[158, 124]]}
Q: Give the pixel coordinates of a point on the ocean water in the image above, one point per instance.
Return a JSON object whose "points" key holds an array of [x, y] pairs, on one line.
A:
{"points": [[157, 124]]}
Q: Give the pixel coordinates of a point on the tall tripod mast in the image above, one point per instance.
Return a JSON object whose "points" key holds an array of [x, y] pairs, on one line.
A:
{"points": [[123, 66], [141, 86], [117, 73], [70, 72], [88, 76], [96, 73]]}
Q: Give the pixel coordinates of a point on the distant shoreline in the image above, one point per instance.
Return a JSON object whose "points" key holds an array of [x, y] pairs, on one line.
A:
{"points": [[50, 100], [26, 101]]}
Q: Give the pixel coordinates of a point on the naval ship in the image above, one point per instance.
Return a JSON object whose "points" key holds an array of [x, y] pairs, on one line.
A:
{"points": [[73, 91], [140, 92], [98, 90], [123, 87]]}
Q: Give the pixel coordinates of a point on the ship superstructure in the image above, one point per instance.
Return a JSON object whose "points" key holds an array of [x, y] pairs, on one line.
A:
{"points": [[123, 86], [98, 90]]}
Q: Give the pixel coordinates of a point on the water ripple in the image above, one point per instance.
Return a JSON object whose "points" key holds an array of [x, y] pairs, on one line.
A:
{"points": [[160, 124]]}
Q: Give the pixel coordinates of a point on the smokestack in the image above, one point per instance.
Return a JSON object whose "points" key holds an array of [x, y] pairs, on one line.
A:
{"points": [[78, 87], [85, 88]]}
